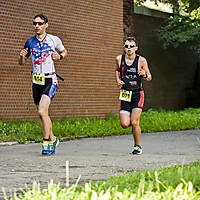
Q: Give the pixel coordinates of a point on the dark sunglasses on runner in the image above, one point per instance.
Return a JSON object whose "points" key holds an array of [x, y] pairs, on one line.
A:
{"points": [[39, 23], [129, 45]]}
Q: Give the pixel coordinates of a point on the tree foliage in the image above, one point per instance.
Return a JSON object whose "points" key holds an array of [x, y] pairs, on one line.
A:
{"points": [[181, 29], [190, 5], [186, 5], [183, 26]]}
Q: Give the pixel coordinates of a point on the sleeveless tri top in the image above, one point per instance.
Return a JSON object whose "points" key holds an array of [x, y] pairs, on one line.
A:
{"points": [[129, 75]]}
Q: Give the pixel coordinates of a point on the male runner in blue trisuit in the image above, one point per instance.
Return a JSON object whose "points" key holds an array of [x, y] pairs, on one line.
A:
{"points": [[44, 49], [129, 72]]}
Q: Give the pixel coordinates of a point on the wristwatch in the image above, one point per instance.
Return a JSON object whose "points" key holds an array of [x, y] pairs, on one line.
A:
{"points": [[61, 56]]}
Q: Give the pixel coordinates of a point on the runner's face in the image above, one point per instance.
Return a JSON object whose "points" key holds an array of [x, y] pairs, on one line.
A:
{"points": [[130, 47], [39, 26]]}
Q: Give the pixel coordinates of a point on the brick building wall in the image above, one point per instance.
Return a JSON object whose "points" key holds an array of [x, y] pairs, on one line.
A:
{"points": [[91, 31]]}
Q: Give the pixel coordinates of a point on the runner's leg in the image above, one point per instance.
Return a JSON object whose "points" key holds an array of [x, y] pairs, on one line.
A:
{"points": [[125, 119], [45, 120], [135, 120]]}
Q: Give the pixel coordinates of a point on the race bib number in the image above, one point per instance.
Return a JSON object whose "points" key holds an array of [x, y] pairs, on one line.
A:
{"points": [[39, 79], [125, 95]]}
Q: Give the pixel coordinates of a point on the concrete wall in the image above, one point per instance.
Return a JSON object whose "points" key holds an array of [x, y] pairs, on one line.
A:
{"points": [[173, 69]]}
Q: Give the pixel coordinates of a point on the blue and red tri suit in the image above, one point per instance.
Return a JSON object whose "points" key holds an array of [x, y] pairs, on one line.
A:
{"points": [[41, 53]]}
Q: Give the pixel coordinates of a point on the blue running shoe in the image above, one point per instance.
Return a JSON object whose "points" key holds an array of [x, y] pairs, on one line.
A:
{"points": [[137, 149], [53, 145], [46, 149]]}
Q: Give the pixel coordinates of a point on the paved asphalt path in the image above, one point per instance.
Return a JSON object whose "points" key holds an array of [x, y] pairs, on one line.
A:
{"points": [[94, 158]]}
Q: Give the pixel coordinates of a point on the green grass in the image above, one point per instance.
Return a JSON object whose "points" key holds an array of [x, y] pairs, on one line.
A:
{"points": [[151, 121], [168, 176], [171, 120], [179, 182]]}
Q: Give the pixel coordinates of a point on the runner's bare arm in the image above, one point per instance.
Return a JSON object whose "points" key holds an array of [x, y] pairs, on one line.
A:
{"points": [[60, 55], [22, 56], [120, 83], [64, 53], [144, 69]]}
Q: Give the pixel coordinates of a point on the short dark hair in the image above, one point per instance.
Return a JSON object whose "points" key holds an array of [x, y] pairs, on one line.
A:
{"points": [[43, 17], [131, 38]]}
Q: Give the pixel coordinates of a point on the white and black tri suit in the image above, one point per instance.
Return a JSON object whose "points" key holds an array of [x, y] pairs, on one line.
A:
{"points": [[133, 82], [41, 52]]}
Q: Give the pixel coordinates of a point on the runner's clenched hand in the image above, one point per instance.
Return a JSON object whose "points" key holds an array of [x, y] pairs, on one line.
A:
{"points": [[55, 55], [120, 83], [142, 72], [23, 52]]}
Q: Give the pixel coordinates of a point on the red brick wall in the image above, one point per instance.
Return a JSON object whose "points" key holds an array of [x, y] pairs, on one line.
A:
{"points": [[92, 32]]}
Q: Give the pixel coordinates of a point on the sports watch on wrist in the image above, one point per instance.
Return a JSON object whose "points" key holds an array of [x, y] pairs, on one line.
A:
{"points": [[61, 56]]}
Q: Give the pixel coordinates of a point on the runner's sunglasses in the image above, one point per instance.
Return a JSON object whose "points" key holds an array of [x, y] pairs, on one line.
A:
{"points": [[129, 45], [39, 23]]}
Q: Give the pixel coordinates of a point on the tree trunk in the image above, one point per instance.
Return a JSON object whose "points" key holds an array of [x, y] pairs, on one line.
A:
{"points": [[128, 11]]}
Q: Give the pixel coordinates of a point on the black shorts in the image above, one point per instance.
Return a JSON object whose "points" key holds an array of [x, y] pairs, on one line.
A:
{"points": [[49, 89], [137, 101]]}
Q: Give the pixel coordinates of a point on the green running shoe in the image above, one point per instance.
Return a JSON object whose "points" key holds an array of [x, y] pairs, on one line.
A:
{"points": [[53, 145], [137, 149], [46, 149]]}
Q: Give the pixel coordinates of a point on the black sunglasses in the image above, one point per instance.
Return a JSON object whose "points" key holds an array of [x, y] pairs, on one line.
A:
{"points": [[39, 23], [129, 45]]}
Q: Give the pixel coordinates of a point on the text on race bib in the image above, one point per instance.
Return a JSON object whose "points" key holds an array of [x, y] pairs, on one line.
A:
{"points": [[125, 95], [38, 79]]}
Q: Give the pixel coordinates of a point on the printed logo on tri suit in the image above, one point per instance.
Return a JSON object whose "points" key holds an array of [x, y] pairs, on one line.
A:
{"points": [[41, 52], [129, 75]]}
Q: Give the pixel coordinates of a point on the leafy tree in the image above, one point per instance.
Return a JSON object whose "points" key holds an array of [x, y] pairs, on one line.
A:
{"points": [[190, 5], [174, 3], [183, 26], [187, 5], [181, 29]]}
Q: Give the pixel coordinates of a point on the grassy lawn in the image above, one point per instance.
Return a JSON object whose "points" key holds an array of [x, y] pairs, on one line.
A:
{"points": [[151, 121], [179, 182]]}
